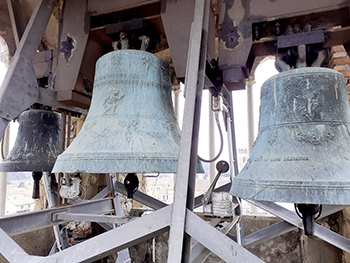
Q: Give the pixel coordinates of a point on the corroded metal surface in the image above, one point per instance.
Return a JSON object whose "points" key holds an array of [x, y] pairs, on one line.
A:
{"points": [[37, 143], [131, 126], [302, 153]]}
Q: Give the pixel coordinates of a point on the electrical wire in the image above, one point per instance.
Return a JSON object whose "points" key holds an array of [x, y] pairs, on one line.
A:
{"points": [[2, 148], [221, 142]]}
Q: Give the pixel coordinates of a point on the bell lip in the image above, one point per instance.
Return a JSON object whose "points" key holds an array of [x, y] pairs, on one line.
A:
{"points": [[334, 193], [306, 70], [104, 165], [23, 167]]}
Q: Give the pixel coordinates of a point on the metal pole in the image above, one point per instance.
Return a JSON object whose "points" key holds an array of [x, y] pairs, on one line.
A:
{"points": [[234, 167], [179, 245], [62, 148], [176, 91], [3, 175], [211, 123], [52, 201], [250, 112]]}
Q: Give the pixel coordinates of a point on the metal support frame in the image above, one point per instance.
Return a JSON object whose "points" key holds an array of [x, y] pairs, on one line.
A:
{"points": [[320, 231], [282, 227], [199, 253], [177, 218], [19, 224], [19, 88], [179, 243], [52, 201]]}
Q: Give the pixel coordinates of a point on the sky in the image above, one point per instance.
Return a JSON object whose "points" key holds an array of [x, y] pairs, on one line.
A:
{"points": [[14, 125]]}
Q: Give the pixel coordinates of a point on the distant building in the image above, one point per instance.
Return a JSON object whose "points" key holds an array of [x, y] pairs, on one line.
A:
{"points": [[162, 187], [19, 197], [18, 206]]}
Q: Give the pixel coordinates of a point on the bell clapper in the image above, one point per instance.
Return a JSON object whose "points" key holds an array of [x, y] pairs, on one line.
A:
{"points": [[36, 186], [308, 213], [131, 184]]}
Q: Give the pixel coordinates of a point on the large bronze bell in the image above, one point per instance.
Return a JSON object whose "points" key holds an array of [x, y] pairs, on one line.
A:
{"points": [[36, 147], [302, 151], [131, 126]]}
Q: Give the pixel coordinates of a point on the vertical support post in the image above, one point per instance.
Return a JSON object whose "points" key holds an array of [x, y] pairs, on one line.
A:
{"points": [[231, 134], [69, 127], [179, 244], [13, 22], [52, 201], [62, 147], [250, 113], [111, 179], [3, 175], [176, 92], [211, 122], [233, 162]]}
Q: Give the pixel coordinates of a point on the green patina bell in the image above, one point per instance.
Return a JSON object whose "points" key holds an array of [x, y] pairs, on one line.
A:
{"points": [[131, 126], [302, 151]]}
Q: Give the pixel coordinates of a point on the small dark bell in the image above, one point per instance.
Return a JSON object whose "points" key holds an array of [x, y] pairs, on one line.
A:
{"points": [[36, 147], [37, 143], [131, 184]]}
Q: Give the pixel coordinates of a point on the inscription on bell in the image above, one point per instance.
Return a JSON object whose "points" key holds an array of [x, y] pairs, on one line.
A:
{"points": [[284, 159]]}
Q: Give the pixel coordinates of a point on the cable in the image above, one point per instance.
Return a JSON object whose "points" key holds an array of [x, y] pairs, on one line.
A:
{"points": [[2, 147], [221, 141]]}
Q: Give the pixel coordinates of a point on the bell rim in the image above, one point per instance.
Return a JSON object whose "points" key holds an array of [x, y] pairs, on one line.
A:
{"points": [[306, 70], [119, 165], [334, 194]]}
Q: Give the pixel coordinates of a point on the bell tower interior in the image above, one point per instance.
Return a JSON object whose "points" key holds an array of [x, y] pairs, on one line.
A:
{"points": [[92, 84]]}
